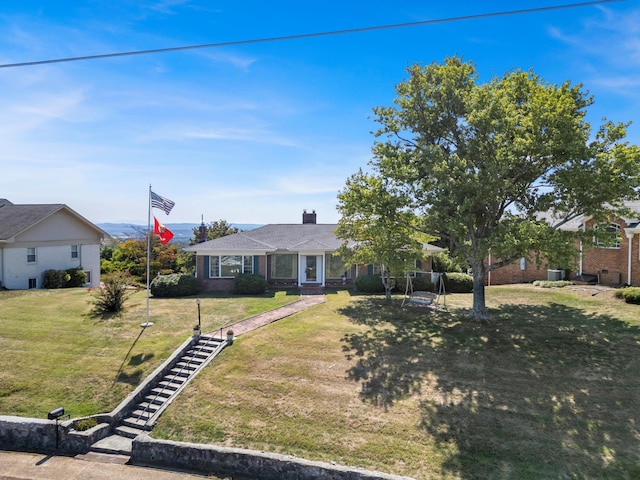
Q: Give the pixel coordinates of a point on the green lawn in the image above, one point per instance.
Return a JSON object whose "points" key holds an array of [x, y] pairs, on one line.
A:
{"points": [[548, 389], [53, 352]]}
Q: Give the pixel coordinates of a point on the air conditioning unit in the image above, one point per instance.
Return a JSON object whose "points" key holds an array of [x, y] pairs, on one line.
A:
{"points": [[555, 275]]}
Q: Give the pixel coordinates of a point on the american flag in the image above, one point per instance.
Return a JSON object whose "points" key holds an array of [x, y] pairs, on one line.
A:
{"points": [[162, 203]]}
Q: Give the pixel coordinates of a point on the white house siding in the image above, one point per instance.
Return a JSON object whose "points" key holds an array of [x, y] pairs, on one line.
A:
{"points": [[17, 272], [52, 238]]}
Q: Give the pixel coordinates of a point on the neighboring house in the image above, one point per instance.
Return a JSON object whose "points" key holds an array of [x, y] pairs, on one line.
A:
{"points": [[35, 238], [613, 262], [287, 255]]}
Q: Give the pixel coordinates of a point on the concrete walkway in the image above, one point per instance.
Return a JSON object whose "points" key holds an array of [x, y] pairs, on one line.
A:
{"points": [[29, 466], [22, 466]]}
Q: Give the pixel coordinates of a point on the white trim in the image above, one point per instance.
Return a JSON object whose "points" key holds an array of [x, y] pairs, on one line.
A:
{"points": [[320, 267], [630, 238]]}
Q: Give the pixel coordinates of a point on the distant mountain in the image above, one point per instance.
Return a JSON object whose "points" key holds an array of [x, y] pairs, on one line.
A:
{"points": [[182, 232]]}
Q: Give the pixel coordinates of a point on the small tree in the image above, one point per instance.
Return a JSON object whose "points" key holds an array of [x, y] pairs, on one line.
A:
{"points": [[111, 297], [370, 234]]}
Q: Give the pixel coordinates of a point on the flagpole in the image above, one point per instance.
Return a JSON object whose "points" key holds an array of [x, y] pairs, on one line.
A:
{"points": [[148, 323]]}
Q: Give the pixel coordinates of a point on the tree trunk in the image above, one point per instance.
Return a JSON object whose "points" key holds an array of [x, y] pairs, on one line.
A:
{"points": [[479, 311], [386, 281]]}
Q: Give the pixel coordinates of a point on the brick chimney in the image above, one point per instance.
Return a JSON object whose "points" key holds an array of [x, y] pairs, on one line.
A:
{"points": [[202, 232], [308, 217]]}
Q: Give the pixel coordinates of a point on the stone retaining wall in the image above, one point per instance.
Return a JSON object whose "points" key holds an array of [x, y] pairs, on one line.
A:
{"points": [[221, 461], [37, 435]]}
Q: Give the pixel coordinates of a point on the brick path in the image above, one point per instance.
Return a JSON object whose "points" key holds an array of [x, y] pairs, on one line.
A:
{"points": [[306, 301]]}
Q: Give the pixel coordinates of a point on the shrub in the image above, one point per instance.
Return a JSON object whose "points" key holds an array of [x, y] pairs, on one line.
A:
{"points": [[85, 424], [77, 277], [370, 284], [174, 285], [111, 297], [54, 278], [72, 277], [458, 283], [250, 284], [442, 262], [422, 284], [629, 294]]}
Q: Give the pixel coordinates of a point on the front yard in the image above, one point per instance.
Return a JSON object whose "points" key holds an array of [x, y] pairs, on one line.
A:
{"points": [[548, 389]]}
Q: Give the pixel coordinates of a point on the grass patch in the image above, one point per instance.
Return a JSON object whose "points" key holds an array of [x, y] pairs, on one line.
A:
{"points": [[56, 353], [548, 389]]}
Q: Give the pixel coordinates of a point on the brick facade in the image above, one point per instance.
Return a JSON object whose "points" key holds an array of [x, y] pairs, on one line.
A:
{"points": [[611, 265]]}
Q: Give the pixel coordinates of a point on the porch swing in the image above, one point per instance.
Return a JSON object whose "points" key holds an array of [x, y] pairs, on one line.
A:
{"points": [[420, 298]]}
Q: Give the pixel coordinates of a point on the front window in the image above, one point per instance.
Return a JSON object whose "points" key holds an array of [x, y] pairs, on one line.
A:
{"points": [[284, 266], [230, 265], [611, 238], [335, 267], [74, 251], [31, 255], [33, 283]]}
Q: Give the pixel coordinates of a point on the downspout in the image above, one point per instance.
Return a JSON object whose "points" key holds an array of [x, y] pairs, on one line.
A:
{"points": [[580, 257], [2, 263], [630, 236]]}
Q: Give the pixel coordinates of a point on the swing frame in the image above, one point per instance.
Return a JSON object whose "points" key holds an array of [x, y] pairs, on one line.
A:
{"points": [[420, 298]]}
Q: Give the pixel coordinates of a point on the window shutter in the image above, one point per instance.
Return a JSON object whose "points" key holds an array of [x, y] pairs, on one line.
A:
{"points": [[256, 264], [370, 270], [205, 274]]}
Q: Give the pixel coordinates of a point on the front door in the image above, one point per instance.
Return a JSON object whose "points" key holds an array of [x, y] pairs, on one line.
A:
{"points": [[311, 269]]}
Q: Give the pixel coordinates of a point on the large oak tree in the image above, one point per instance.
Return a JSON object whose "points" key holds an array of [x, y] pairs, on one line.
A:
{"points": [[476, 163]]}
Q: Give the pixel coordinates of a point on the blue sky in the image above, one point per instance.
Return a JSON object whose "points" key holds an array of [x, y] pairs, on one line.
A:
{"points": [[256, 133]]}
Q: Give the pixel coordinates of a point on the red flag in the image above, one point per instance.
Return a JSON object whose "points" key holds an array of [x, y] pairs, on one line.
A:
{"points": [[163, 232]]}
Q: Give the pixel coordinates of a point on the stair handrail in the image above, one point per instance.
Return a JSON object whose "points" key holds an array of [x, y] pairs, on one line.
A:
{"points": [[180, 370]]}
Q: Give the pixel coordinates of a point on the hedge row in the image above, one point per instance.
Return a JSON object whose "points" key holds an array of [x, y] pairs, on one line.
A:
{"points": [[69, 278], [453, 283]]}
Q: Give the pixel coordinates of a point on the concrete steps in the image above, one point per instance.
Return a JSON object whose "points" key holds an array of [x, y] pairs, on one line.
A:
{"points": [[143, 415]]}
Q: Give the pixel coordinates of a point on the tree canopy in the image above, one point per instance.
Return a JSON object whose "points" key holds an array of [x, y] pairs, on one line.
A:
{"points": [[476, 164]]}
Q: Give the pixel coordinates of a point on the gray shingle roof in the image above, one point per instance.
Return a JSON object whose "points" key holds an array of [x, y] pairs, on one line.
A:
{"points": [[15, 219], [576, 223], [291, 237]]}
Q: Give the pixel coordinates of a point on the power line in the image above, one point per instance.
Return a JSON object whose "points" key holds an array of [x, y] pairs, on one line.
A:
{"points": [[313, 35]]}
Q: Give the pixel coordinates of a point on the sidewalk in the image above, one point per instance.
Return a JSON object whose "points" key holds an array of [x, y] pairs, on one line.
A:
{"points": [[22, 466], [30, 466]]}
